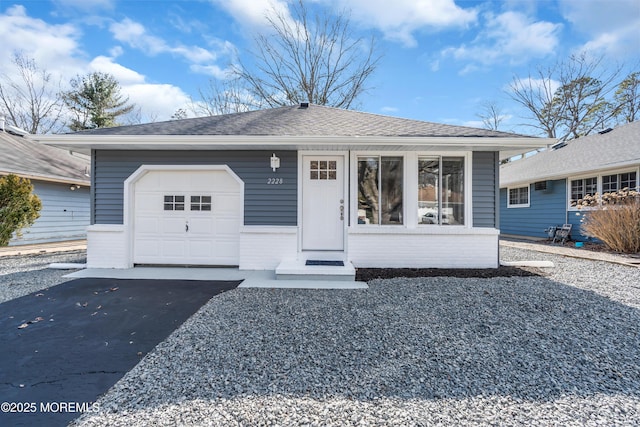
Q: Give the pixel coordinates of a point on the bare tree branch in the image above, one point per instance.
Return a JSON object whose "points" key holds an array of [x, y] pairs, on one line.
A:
{"points": [[569, 99], [33, 101], [312, 59]]}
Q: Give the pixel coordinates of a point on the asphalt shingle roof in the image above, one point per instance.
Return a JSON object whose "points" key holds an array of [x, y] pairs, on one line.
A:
{"points": [[619, 147], [315, 120], [24, 157]]}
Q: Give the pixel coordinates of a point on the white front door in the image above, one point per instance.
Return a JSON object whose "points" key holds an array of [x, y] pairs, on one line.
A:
{"points": [[187, 218], [323, 204]]}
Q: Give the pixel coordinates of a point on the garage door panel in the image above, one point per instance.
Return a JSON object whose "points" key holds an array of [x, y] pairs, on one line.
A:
{"points": [[161, 236], [147, 202], [175, 225], [147, 224], [147, 247], [224, 204], [173, 248], [202, 225]]}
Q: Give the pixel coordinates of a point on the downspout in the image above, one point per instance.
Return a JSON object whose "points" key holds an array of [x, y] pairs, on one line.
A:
{"points": [[496, 163]]}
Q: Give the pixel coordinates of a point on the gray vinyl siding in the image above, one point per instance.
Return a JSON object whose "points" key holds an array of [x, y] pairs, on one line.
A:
{"points": [[263, 204], [485, 186], [546, 208], [64, 215]]}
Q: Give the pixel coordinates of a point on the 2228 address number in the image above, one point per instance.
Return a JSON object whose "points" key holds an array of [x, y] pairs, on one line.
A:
{"points": [[275, 181]]}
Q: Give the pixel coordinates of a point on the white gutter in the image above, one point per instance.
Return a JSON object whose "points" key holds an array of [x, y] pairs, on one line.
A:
{"points": [[84, 143], [34, 177], [573, 173]]}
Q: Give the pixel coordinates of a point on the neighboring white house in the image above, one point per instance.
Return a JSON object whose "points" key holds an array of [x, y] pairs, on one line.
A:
{"points": [[60, 179], [269, 188]]}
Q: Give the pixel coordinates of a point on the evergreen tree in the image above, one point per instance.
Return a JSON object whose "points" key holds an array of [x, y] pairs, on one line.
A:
{"points": [[96, 102]]}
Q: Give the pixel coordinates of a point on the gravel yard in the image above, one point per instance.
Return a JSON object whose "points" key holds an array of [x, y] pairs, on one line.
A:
{"points": [[557, 349], [24, 274]]}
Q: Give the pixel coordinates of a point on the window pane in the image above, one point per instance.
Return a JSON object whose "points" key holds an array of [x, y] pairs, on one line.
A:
{"points": [[628, 180], [206, 199], [428, 177], [168, 206], [577, 190], [368, 190], [609, 183], [452, 195], [591, 186], [392, 190], [206, 207], [179, 206]]}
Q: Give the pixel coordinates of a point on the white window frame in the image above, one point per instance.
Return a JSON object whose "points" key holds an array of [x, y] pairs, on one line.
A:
{"points": [[410, 184], [598, 175], [519, 205]]}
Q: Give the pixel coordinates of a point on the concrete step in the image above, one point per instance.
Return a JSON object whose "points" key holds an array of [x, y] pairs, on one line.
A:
{"points": [[299, 270]]}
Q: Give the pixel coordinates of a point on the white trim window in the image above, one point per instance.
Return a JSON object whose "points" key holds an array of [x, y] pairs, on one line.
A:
{"points": [[619, 181], [579, 188], [582, 187], [441, 198], [518, 197]]}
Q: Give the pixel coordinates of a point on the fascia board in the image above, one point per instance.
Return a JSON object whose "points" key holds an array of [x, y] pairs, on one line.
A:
{"points": [[570, 173], [84, 144]]}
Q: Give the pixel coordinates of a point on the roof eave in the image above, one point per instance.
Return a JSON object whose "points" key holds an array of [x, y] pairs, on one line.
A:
{"points": [[84, 144], [573, 173], [48, 178]]}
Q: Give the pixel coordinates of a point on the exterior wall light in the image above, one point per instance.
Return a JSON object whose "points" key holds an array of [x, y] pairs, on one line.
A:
{"points": [[275, 162]]}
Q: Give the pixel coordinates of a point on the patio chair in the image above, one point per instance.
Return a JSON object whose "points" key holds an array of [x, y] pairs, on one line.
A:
{"points": [[563, 234]]}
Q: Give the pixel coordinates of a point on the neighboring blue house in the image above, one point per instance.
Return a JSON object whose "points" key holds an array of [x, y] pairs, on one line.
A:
{"points": [[60, 179], [538, 191], [283, 188]]}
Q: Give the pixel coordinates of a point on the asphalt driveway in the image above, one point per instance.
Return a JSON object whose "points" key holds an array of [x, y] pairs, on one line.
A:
{"points": [[64, 346]]}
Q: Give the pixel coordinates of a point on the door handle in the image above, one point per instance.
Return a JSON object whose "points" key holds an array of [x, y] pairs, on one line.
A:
{"points": [[341, 212], [186, 226]]}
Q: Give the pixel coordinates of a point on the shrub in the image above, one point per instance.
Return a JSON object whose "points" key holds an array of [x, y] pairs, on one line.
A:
{"points": [[19, 207], [614, 219]]}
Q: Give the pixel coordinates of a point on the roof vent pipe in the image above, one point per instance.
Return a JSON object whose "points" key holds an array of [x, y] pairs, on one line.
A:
{"points": [[2, 122]]}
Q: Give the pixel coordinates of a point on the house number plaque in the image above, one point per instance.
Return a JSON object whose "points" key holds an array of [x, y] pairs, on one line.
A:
{"points": [[275, 181]]}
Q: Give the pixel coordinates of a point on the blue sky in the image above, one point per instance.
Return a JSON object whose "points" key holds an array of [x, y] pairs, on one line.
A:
{"points": [[442, 59]]}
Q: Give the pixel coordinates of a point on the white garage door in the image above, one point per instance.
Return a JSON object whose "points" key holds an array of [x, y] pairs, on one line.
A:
{"points": [[187, 218]]}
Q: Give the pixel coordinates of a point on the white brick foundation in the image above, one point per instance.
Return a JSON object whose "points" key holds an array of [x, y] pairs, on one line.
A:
{"points": [[446, 247], [107, 246], [263, 248]]}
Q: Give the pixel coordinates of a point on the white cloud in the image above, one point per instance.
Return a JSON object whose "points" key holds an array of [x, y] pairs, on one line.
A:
{"points": [[125, 76], [389, 109], [510, 36], [202, 60], [399, 20], [612, 26], [53, 47], [210, 70], [253, 13], [158, 101]]}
